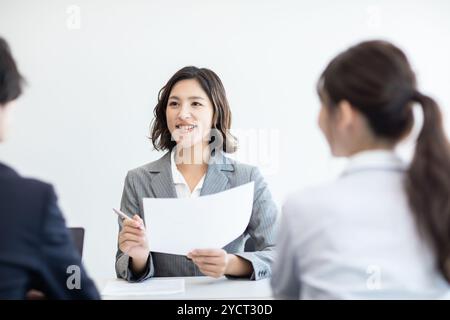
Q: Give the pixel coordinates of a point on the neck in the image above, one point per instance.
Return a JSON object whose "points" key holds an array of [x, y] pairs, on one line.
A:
{"points": [[195, 156], [373, 145]]}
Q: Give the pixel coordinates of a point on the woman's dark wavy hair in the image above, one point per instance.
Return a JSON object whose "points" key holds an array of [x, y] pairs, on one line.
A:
{"points": [[221, 122], [377, 79]]}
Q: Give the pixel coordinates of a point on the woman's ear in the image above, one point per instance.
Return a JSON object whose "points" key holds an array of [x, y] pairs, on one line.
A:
{"points": [[346, 115]]}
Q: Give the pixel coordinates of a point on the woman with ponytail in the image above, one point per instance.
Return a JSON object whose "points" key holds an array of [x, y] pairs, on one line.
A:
{"points": [[382, 230]]}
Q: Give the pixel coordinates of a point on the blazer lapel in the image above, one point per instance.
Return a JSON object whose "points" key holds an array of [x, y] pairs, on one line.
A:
{"points": [[162, 182], [215, 179]]}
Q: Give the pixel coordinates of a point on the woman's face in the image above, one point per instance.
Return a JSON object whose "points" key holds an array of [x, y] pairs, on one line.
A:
{"points": [[323, 122], [6, 119], [189, 114], [347, 130], [328, 123]]}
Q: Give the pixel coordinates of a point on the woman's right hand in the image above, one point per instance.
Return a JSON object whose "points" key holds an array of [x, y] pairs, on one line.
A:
{"points": [[133, 242]]}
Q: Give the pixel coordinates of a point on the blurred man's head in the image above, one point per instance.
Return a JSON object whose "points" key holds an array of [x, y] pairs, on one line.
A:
{"points": [[10, 86]]}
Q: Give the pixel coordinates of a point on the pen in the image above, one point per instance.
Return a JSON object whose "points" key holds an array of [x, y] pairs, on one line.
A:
{"points": [[124, 216]]}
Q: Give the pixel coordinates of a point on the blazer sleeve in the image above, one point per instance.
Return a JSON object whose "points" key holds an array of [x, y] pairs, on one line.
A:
{"points": [[130, 205], [261, 228], [284, 282], [64, 276]]}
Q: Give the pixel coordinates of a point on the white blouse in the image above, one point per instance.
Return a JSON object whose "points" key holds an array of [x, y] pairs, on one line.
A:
{"points": [[181, 186]]}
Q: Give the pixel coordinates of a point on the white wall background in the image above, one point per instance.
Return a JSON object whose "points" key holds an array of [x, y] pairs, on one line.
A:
{"points": [[83, 120]]}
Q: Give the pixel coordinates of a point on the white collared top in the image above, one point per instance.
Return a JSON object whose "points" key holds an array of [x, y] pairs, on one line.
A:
{"points": [[181, 186], [356, 238]]}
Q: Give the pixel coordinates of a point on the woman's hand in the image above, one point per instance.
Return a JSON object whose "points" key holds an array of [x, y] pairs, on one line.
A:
{"points": [[133, 242], [35, 295], [217, 263], [211, 262]]}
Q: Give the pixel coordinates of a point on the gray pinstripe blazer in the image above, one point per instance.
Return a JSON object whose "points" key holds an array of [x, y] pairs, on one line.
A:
{"points": [[154, 180]]}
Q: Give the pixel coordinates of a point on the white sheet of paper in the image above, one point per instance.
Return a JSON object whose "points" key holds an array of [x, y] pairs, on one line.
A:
{"points": [[177, 226], [119, 287]]}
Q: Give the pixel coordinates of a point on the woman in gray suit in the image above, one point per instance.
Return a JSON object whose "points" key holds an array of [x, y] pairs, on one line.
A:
{"points": [[192, 122]]}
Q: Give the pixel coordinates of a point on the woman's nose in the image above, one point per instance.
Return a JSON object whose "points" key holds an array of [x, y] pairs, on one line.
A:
{"points": [[185, 112]]}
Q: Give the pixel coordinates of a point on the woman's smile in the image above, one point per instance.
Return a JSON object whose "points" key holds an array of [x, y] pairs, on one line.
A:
{"points": [[185, 128]]}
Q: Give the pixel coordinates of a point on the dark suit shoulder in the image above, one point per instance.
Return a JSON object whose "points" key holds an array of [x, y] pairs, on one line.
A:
{"points": [[24, 196], [30, 186], [8, 173]]}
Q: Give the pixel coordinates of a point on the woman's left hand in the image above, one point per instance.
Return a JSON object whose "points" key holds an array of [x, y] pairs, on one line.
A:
{"points": [[211, 262]]}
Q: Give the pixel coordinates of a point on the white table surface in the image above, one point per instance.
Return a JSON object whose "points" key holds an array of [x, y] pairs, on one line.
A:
{"points": [[202, 288]]}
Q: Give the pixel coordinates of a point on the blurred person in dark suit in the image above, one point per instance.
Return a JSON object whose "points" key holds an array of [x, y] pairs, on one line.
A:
{"points": [[37, 255]]}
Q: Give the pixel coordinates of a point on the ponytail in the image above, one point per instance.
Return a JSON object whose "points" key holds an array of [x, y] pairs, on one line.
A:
{"points": [[377, 79], [428, 183]]}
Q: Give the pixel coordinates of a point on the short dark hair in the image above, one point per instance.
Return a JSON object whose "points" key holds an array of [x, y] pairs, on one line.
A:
{"points": [[213, 87], [10, 79]]}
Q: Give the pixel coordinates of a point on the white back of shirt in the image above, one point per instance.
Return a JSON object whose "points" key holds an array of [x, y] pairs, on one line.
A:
{"points": [[356, 238]]}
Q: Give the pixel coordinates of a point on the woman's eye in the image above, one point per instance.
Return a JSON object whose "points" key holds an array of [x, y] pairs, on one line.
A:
{"points": [[196, 104], [173, 104]]}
